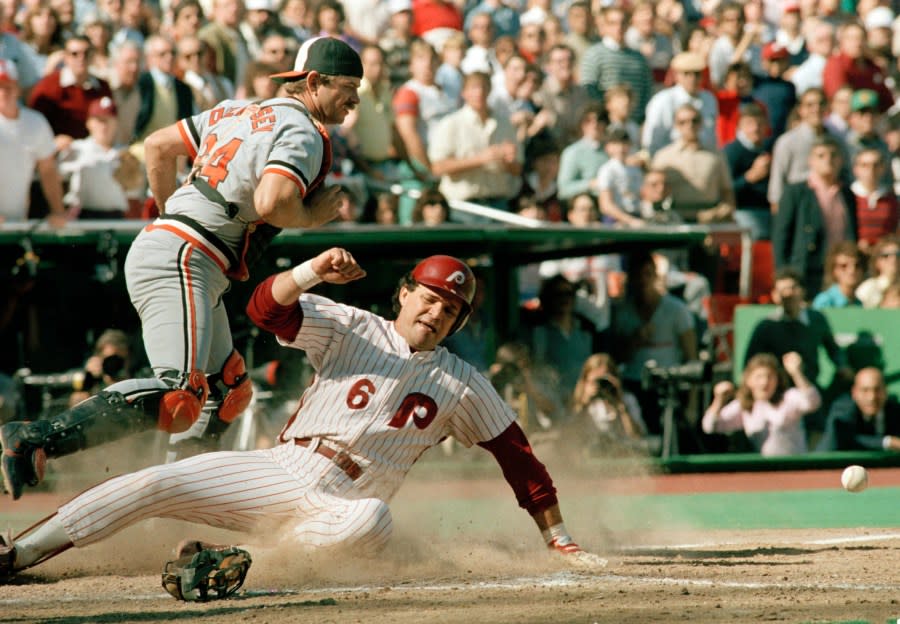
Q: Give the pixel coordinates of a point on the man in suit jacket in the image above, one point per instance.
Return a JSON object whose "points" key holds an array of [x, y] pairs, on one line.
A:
{"points": [[867, 419], [164, 98], [814, 215], [226, 40]]}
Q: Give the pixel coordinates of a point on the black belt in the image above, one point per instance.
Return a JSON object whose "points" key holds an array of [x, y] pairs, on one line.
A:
{"points": [[341, 459], [231, 209]]}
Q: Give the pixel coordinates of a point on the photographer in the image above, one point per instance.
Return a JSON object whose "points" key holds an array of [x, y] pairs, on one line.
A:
{"points": [[608, 417], [529, 392], [111, 362]]}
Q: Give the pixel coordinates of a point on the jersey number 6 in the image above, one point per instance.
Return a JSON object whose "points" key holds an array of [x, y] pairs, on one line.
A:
{"points": [[420, 407]]}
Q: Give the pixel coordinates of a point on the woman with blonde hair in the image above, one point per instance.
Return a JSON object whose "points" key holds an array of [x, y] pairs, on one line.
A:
{"points": [[600, 404], [768, 410]]}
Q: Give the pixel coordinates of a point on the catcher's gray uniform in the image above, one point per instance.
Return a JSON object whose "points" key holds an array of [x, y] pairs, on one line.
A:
{"points": [[178, 267], [177, 271]]}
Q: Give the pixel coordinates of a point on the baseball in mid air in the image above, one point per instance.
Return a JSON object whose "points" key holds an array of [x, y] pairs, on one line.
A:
{"points": [[855, 478]]}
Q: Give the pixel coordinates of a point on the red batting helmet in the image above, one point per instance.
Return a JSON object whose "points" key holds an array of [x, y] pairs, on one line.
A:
{"points": [[452, 277]]}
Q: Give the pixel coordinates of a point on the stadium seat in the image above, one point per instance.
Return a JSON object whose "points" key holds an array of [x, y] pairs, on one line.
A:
{"points": [[762, 278], [719, 310]]}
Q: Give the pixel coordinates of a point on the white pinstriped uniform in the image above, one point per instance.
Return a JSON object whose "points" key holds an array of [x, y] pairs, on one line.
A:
{"points": [[371, 397]]}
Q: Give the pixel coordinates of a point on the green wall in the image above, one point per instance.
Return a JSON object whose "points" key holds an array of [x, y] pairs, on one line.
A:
{"points": [[871, 337]]}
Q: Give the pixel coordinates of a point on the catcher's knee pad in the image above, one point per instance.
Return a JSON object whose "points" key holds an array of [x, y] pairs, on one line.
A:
{"points": [[238, 389], [180, 408]]}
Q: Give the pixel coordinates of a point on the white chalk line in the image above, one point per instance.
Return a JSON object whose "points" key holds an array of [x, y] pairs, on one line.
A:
{"points": [[831, 541], [560, 580], [548, 581]]}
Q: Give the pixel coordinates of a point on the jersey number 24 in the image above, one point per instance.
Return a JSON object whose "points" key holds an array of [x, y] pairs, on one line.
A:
{"points": [[216, 159]]}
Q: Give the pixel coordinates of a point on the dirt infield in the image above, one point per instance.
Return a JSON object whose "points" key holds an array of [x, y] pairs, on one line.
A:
{"points": [[484, 563]]}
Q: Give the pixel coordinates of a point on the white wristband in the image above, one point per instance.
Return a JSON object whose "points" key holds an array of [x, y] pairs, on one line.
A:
{"points": [[304, 276]]}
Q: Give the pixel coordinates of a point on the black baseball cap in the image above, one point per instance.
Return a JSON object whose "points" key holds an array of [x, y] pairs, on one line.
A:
{"points": [[326, 55]]}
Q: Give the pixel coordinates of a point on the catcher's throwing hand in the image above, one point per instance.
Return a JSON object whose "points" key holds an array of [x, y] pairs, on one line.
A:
{"points": [[573, 555], [337, 266]]}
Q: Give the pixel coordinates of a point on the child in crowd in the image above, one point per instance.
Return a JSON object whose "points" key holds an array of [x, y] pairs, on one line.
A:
{"points": [[843, 274], [883, 263], [765, 407], [619, 183], [619, 102], [101, 176]]}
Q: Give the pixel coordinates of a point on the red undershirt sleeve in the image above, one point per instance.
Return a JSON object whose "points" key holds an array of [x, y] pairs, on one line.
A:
{"points": [[282, 320], [523, 471]]}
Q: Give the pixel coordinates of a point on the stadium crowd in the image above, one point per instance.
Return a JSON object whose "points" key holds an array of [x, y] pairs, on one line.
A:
{"points": [[776, 115]]}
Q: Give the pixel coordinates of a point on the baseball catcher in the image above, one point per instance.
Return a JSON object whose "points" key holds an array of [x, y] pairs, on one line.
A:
{"points": [[258, 167]]}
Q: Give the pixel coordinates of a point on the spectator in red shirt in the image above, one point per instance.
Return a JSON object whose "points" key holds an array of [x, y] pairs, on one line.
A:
{"points": [[852, 65], [63, 96], [877, 211]]}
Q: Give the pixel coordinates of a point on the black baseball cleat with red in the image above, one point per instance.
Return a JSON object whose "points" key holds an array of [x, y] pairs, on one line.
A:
{"points": [[23, 460]]}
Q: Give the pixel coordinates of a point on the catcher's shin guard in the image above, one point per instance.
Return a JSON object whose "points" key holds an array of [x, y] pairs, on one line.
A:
{"points": [[104, 417], [233, 389], [230, 392]]}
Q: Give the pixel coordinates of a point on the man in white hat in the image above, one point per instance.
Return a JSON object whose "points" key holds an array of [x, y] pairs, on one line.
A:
{"points": [[659, 130], [26, 144]]}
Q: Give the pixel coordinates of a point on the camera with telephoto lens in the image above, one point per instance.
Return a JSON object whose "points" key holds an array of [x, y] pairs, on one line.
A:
{"points": [[694, 372], [605, 389]]}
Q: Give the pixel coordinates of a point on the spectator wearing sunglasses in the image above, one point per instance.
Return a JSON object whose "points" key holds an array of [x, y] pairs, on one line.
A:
{"points": [[63, 96], [843, 275], [659, 129]]}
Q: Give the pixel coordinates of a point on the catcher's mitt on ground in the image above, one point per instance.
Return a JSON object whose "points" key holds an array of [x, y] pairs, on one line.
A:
{"points": [[208, 574]]}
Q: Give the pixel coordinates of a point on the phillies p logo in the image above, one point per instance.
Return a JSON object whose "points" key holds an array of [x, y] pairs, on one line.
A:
{"points": [[458, 277]]}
